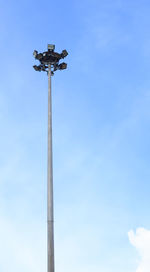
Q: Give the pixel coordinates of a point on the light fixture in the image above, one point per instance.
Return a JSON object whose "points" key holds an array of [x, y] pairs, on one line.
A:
{"points": [[63, 66], [51, 47], [39, 56], [35, 53], [64, 53], [49, 60], [37, 68]]}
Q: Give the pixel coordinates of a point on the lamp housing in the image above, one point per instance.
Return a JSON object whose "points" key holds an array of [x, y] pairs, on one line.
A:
{"points": [[35, 53], [64, 53], [37, 68], [51, 47], [63, 66]]}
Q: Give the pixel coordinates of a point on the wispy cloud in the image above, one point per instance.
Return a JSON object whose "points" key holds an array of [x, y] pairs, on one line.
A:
{"points": [[141, 241]]}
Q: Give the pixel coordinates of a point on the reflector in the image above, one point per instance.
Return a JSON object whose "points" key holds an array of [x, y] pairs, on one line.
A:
{"points": [[64, 53], [37, 68], [63, 66], [35, 53], [39, 56], [51, 47], [51, 58]]}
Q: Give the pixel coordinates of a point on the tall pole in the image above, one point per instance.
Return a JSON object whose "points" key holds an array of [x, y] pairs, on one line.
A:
{"points": [[50, 63], [50, 212]]}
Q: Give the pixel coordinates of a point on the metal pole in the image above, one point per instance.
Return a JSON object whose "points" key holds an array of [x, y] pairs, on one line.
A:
{"points": [[50, 213]]}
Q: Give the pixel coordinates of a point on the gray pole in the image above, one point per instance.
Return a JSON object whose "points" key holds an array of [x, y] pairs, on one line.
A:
{"points": [[50, 213], [48, 60]]}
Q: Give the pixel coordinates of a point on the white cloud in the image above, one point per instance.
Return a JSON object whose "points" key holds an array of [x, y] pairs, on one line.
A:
{"points": [[141, 241]]}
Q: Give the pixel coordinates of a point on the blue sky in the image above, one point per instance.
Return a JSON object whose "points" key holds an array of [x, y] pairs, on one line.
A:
{"points": [[101, 131]]}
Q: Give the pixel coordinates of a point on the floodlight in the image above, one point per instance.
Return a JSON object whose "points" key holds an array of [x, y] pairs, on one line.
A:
{"points": [[39, 56], [35, 53], [63, 66], [49, 60], [64, 53], [37, 68], [51, 47]]}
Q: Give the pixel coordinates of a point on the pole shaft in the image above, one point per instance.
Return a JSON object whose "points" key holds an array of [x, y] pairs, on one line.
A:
{"points": [[50, 213]]}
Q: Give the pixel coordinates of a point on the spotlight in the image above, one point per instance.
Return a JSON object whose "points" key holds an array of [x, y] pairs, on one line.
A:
{"points": [[37, 68], [64, 53], [50, 59], [39, 56], [51, 47], [63, 66], [35, 53]]}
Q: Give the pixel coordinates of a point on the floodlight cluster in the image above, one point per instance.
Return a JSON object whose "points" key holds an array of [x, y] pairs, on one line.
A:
{"points": [[50, 58]]}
